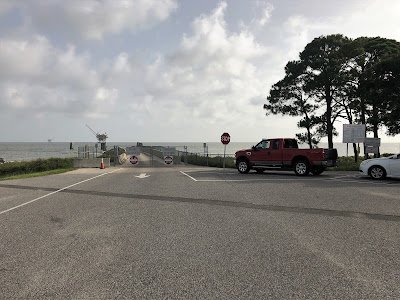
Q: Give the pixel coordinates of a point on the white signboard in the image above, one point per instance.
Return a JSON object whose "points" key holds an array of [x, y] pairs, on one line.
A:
{"points": [[353, 133], [373, 142], [133, 151], [169, 151]]}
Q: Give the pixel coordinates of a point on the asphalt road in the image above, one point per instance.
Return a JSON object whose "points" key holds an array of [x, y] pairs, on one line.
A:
{"points": [[186, 232]]}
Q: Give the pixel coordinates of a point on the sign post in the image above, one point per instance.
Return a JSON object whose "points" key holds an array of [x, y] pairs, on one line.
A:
{"points": [[225, 139]]}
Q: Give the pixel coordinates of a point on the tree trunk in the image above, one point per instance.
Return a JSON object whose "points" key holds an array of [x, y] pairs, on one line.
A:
{"points": [[329, 127], [309, 138], [376, 127], [355, 152]]}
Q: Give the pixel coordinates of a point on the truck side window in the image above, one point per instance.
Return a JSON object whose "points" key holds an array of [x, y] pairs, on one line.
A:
{"points": [[290, 144], [275, 144], [263, 145]]}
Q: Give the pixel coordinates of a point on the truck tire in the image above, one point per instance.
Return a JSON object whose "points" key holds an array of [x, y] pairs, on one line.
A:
{"points": [[301, 168], [243, 166], [317, 170]]}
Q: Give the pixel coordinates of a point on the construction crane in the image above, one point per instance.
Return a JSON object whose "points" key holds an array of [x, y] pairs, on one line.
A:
{"points": [[100, 137]]}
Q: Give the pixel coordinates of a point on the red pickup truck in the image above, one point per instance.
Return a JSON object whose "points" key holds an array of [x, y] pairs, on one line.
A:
{"points": [[285, 153]]}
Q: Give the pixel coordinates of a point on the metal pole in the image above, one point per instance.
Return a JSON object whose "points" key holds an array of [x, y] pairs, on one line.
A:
{"points": [[207, 156], [347, 154], [115, 156], [185, 148], [224, 154]]}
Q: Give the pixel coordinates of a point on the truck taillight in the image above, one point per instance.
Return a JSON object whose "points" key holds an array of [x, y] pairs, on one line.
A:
{"points": [[323, 154]]}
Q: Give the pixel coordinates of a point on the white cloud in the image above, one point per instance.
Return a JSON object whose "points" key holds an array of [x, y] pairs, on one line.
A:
{"points": [[211, 78], [216, 79], [38, 77], [263, 13], [93, 19]]}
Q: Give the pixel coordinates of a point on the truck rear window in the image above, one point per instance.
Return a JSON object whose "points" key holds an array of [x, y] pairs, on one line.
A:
{"points": [[290, 144]]}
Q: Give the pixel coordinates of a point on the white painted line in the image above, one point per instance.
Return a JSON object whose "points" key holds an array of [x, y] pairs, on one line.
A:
{"points": [[250, 180], [339, 178], [188, 176], [52, 193]]}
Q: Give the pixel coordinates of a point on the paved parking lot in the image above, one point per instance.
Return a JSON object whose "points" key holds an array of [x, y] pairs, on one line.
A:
{"points": [[186, 232]]}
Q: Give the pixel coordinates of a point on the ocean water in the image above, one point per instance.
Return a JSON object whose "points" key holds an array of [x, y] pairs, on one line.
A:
{"points": [[30, 151]]}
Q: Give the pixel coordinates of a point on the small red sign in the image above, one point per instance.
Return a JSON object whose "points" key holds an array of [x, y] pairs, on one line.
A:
{"points": [[225, 138], [168, 160], [134, 160]]}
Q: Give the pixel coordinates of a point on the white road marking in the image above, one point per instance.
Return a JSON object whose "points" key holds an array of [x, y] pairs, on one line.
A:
{"points": [[339, 178], [52, 193], [143, 175], [189, 176]]}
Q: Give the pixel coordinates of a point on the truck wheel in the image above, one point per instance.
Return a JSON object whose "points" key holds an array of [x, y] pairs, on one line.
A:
{"points": [[301, 168], [317, 170], [243, 166]]}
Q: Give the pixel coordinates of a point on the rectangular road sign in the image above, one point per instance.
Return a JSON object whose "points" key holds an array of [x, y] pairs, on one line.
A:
{"points": [[372, 149], [353, 133], [373, 142], [132, 151], [169, 151]]}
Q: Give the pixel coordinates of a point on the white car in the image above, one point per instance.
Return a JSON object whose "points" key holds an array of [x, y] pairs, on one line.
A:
{"points": [[379, 168]]}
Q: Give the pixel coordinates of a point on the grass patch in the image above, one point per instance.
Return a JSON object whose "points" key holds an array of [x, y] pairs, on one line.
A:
{"points": [[217, 162], [37, 174], [34, 166]]}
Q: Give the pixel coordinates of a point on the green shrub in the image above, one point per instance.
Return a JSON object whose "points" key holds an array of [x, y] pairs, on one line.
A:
{"points": [[33, 166], [217, 161]]}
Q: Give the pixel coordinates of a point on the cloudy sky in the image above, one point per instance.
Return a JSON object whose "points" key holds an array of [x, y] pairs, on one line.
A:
{"points": [[161, 70]]}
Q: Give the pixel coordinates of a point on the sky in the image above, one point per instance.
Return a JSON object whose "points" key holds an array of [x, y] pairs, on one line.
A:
{"points": [[162, 70]]}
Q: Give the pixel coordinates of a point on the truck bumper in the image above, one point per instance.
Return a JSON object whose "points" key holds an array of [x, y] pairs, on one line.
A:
{"points": [[326, 163]]}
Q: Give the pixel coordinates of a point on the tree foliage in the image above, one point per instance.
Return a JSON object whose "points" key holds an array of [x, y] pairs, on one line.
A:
{"points": [[337, 78]]}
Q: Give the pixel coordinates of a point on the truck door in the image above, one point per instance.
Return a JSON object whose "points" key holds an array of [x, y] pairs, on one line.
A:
{"points": [[260, 155], [275, 153]]}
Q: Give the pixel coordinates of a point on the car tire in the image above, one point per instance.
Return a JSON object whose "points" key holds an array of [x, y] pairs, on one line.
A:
{"points": [[377, 172], [301, 168], [243, 166], [318, 170]]}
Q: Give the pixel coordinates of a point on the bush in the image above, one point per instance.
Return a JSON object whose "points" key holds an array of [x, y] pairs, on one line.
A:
{"points": [[34, 166], [217, 161]]}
